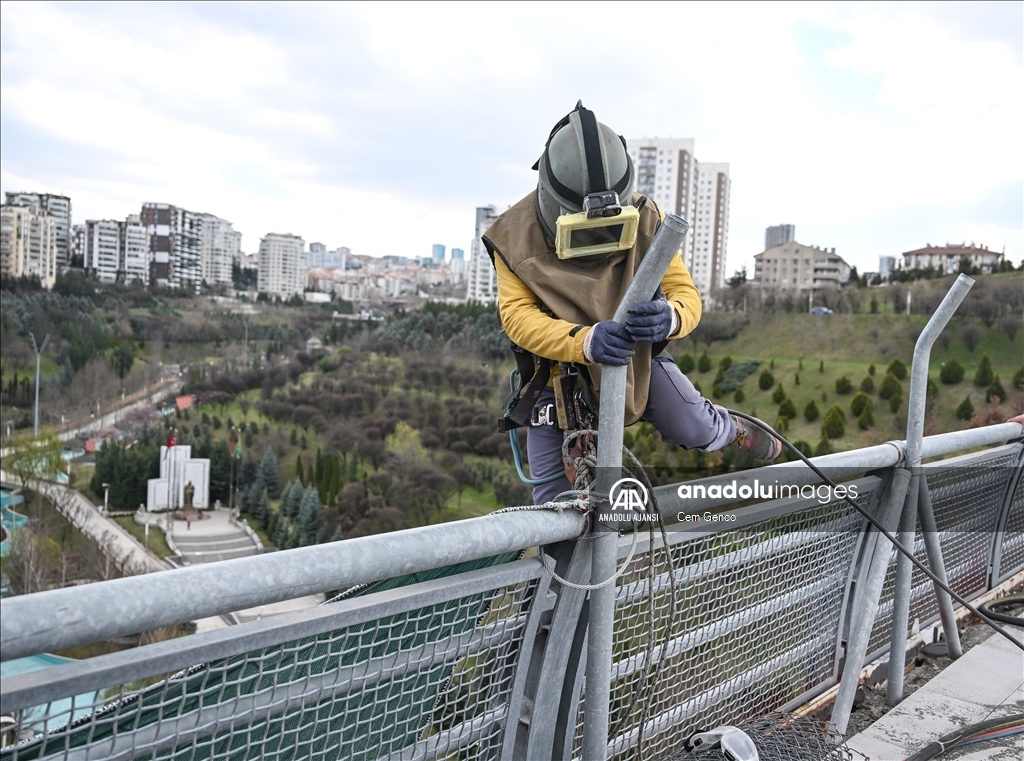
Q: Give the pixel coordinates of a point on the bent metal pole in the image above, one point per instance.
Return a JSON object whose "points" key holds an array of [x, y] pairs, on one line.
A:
{"points": [[609, 459], [918, 502]]}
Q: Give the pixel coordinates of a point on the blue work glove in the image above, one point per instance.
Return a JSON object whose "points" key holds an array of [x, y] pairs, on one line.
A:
{"points": [[610, 344], [650, 322]]}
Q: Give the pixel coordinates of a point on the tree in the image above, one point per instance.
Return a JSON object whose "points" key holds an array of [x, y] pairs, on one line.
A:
{"points": [[1018, 379], [738, 396], [984, 376], [866, 419], [970, 335], [897, 368], [687, 363], [811, 411], [951, 372], [895, 402], [859, 402], [995, 391], [739, 278], [766, 380], [871, 369], [890, 387], [122, 359], [270, 475], [30, 459], [843, 385], [704, 363], [966, 410], [834, 424], [867, 385], [308, 509], [779, 394], [787, 409]]}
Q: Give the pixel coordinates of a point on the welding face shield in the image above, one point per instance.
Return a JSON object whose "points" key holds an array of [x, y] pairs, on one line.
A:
{"points": [[584, 175]]}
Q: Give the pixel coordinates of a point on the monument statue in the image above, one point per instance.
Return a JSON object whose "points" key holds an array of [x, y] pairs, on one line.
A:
{"points": [[190, 492]]}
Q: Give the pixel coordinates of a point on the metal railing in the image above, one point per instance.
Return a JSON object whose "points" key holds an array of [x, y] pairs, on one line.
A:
{"points": [[491, 662]]}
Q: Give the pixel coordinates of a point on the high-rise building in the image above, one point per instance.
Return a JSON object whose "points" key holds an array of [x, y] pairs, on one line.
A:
{"points": [[76, 247], [115, 251], [175, 245], [776, 235], [60, 208], [437, 252], [482, 286], [458, 253], [318, 257], [281, 269], [28, 242], [886, 266], [667, 171], [219, 246]]}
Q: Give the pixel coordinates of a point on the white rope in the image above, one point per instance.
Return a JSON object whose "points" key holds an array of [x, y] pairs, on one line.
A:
{"points": [[588, 587]]}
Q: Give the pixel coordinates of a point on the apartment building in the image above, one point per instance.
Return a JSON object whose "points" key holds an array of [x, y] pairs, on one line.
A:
{"points": [[28, 242], [59, 207], [482, 282], [946, 259], [116, 251], [219, 245], [175, 244], [795, 268], [668, 172], [281, 269]]}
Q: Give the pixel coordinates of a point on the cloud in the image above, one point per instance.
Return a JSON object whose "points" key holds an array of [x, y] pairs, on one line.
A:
{"points": [[381, 126]]}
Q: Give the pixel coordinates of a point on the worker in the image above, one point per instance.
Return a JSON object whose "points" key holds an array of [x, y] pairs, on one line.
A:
{"points": [[564, 256]]}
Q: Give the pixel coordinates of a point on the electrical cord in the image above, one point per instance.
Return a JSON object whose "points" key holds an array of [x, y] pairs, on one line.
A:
{"points": [[882, 530], [985, 730], [1004, 602]]}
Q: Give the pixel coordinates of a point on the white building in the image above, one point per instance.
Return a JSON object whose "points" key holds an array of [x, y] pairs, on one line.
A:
{"points": [[319, 257], [776, 235], [281, 269], [59, 207], [28, 243], [482, 283], [795, 268], [114, 251], [221, 243], [946, 259], [667, 171]]}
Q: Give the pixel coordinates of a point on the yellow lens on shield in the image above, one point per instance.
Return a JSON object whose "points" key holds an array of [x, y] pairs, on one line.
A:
{"points": [[576, 235]]}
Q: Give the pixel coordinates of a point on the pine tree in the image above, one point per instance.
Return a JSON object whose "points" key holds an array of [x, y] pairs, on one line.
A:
{"points": [[897, 368], [811, 411], [824, 447], [704, 363], [966, 410], [262, 511], [866, 419], [843, 385], [307, 515], [867, 385], [984, 376], [834, 425], [787, 409], [951, 372], [766, 380], [779, 394], [269, 474], [995, 391], [871, 369], [300, 471], [895, 402], [290, 508], [686, 363], [890, 387], [859, 402]]}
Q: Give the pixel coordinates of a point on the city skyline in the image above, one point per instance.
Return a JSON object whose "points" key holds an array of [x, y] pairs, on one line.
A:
{"points": [[873, 128]]}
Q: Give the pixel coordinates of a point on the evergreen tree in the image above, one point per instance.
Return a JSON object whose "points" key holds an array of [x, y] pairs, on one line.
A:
{"points": [[738, 396], [859, 402], [687, 363], [890, 387], [897, 368], [252, 497], [811, 411], [262, 509], [995, 391], [796, 379], [300, 471], [270, 475], [834, 425], [307, 515], [984, 376], [778, 394], [704, 363], [766, 381], [867, 385], [248, 472], [281, 533], [895, 402], [843, 385], [871, 370], [966, 410], [821, 366], [1018, 379], [787, 409], [824, 447], [951, 372], [291, 508], [866, 419]]}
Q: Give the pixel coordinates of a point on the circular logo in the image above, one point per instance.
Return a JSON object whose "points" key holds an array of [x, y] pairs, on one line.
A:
{"points": [[628, 494]]}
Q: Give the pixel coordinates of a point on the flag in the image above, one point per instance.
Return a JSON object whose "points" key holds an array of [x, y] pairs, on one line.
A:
{"points": [[170, 443]]}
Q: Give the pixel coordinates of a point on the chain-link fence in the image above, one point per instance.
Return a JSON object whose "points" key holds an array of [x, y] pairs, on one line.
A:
{"points": [[486, 659]]}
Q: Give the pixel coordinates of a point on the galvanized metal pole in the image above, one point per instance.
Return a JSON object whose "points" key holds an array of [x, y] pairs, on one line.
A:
{"points": [[934, 549], [609, 460], [916, 409], [869, 587]]}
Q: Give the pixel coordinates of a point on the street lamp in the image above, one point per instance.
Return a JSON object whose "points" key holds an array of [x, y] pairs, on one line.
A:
{"points": [[39, 353], [106, 497]]}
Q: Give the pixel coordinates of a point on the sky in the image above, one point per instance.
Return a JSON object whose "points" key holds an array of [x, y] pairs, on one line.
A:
{"points": [[874, 128]]}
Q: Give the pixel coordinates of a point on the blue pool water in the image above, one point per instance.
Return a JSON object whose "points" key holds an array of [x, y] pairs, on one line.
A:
{"points": [[57, 713]]}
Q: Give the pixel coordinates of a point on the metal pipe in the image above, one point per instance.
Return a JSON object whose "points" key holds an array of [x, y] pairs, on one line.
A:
{"points": [[61, 618], [934, 549], [901, 597], [866, 602], [609, 460], [916, 409]]}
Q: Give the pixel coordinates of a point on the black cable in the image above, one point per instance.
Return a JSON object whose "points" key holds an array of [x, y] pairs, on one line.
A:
{"points": [[960, 736], [881, 529], [1006, 602]]}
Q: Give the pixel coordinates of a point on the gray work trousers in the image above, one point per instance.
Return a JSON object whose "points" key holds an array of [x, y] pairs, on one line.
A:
{"points": [[675, 408]]}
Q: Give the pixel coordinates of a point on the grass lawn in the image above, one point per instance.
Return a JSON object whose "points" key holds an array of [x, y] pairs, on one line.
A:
{"points": [[157, 543]]}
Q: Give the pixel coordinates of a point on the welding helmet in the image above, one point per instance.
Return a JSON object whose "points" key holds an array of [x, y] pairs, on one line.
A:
{"points": [[584, 189]]}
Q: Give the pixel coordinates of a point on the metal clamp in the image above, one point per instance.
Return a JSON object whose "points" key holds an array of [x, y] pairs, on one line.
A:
{"points": [[542, 415]]}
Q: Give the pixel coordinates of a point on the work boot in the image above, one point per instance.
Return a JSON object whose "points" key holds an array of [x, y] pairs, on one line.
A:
{"points": [[755, 441]]}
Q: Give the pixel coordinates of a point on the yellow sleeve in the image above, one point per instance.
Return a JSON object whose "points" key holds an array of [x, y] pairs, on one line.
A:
{"points": [[682, 294], [529, 326]]}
